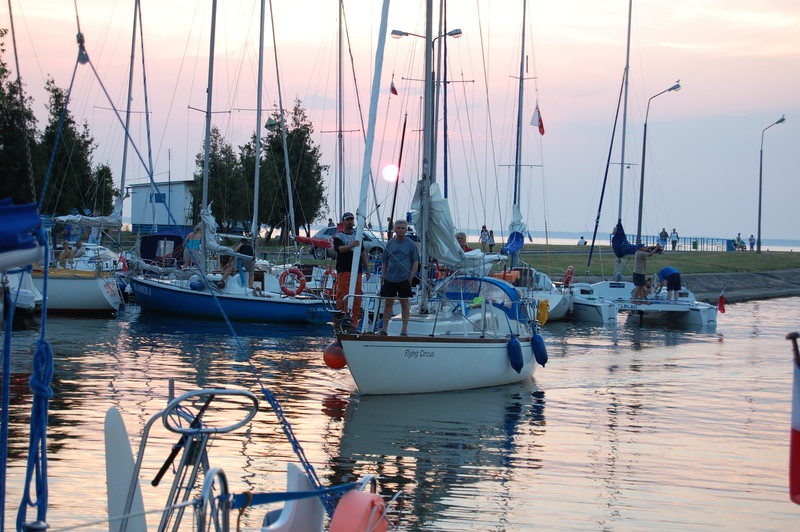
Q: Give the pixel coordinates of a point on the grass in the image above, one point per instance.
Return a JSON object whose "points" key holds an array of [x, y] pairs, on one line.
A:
{"points": [[556, 260]]}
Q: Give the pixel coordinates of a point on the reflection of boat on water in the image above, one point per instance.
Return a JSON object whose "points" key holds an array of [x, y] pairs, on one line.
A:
{"points": [[410, 439]]}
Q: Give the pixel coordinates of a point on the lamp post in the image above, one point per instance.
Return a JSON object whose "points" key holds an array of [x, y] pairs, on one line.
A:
{"points": [[675, 87], [455, 33], [781, 120]]}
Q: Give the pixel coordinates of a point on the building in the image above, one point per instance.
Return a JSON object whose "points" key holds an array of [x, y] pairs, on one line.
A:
{"points": [[149, 206]]}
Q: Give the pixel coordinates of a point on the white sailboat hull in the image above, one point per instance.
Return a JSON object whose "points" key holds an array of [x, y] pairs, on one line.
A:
{"points": [[402, 365], [75, 291]]}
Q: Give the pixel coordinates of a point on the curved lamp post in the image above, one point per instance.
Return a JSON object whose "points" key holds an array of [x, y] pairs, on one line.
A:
{"points": [[781, 120], [455, 33], [675, 87]]}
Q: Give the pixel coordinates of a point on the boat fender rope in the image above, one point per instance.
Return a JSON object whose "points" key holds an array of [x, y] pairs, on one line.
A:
{"points": [[298, 275]]}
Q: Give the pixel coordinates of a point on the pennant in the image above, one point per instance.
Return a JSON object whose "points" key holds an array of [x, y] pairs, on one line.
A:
{"points": [[536, 121], [393, 89], [721, 304]]}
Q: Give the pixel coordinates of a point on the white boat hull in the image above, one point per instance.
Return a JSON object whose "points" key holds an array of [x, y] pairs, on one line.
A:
{"points": [[74, 291], [401, 365]]}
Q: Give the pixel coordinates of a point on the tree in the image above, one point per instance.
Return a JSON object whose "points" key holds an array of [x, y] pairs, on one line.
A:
{"points": [[308, 190], [17, 134], [226, 185], [73, 186]]}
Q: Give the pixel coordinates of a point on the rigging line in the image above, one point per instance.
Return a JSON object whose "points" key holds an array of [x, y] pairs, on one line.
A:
{"points": [[146, 94], [488, 106], [359, 106], [23, 120], [605, 177]]}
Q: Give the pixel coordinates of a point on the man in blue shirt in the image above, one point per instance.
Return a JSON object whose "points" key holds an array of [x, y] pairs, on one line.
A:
{"points": [[672, 278], [399, 265]]}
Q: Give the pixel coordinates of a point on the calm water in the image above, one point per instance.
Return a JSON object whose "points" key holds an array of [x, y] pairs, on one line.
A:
{"points": [[626, 428]]}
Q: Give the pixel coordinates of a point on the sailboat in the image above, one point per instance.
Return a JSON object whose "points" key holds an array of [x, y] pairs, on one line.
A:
{"points": [[600, 302], [533, 283], [465, 331], [202, 295]]}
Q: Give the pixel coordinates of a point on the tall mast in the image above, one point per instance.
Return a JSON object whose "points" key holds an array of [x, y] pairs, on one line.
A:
{"points": [[340, 118], [254, 226], [618, 264], [517, 214]]}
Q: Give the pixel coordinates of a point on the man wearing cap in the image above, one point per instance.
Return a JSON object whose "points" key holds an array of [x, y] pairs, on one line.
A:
{"points": [[343, 243]]}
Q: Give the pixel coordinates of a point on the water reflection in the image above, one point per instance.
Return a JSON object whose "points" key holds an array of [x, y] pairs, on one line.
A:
{"points": [[434, 447]]}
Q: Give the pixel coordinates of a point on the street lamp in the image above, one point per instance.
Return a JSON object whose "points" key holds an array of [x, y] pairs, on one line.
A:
{"points": [[781, 120], [675, 87], [455, 33]]}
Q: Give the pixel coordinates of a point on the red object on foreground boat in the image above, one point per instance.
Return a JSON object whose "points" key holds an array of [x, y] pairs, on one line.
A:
{"points": [[794, 446]]}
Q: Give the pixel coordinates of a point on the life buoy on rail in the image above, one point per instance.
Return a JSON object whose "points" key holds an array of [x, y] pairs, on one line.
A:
{"points": [[568, 276], [328, 282], [300, 279]]}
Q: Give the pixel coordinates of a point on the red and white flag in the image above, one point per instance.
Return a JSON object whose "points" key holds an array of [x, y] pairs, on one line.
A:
{"points": [[794, 443], [393, 89], [536, 121]]}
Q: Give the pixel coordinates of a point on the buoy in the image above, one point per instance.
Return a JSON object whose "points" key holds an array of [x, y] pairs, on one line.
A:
{"points": [[300, 278], [539, 349], [568, 276], [359, 511], [515, 354], [333, 355]]}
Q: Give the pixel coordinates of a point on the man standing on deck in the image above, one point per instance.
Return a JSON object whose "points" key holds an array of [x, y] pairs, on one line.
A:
{"points": [[640, 270], [343, 243], [400, 264]]}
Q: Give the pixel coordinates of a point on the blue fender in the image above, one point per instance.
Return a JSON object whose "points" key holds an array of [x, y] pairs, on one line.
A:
{"points": [[515, 354], [539, 349]]}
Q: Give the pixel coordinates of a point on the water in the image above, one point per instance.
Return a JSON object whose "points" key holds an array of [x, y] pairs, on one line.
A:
{"points": [[626, 428]]}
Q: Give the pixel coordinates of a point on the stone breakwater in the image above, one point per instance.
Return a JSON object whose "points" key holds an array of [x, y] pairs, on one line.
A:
{"points": [[740, 286]]}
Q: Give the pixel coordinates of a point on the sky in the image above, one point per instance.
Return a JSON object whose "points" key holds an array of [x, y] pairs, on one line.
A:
{"points": [[738, 63]]}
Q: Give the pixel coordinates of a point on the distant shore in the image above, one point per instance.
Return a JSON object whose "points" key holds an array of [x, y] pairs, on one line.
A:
{"points": [[741, 286]]}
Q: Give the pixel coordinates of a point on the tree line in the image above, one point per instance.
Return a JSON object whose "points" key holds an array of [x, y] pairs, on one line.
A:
{"points": [[79, 185]]}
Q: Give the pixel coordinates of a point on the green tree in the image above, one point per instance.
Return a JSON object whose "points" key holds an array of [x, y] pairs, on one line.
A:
{"points": [[226, 185], [73, 185], [308, 188], [17, 134]]}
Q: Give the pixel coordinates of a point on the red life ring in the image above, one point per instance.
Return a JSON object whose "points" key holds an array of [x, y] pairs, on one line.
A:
{"points": [[568, 276], [299, 278], [330, 273]]}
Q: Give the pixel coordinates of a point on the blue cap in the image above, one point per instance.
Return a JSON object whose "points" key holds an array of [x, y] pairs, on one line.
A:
{"points": [[347, 215]]}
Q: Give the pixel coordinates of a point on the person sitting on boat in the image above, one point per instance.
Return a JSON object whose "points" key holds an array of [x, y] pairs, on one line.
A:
{"points": [[461, 236], [80, 251], [192, 246], [672, 278], [343, 243], [249, 265], [399, 265], [640, 269], [66, 254]]}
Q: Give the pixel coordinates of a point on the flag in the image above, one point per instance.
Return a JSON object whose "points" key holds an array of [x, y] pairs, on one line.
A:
{"points": [[536, 121], [721, 304], [393, 89]]}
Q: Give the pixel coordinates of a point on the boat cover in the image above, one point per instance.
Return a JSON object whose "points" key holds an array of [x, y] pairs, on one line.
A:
{"points": [[619, 242]]}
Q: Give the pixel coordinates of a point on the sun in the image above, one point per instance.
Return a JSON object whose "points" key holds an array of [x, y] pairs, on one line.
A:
{"points": [[390, 172]]}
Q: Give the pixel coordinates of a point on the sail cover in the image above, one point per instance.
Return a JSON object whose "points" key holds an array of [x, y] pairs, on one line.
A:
{"points": [[619, 242], [109, 222]]}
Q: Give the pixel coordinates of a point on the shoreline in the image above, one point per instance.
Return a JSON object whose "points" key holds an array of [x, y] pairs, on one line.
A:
{"points": [[744, 286]]}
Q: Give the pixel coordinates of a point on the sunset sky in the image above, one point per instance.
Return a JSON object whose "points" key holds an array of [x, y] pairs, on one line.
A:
{"points": [[738, 62]]}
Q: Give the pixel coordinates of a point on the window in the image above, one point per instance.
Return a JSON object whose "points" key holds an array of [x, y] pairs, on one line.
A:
{"points": [[158, 198]]}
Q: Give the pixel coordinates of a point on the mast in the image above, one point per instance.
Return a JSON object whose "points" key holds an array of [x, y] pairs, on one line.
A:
{"points": [[428, 143], [340, 117], [207, 143], [618, 263], [517, 213], [290, 223], [254, 226]]}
